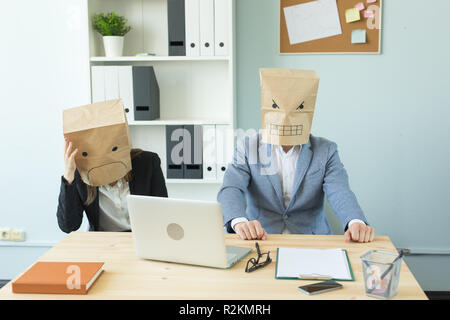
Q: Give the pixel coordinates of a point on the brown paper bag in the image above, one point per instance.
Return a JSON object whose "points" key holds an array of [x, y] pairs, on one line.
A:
{"points": [[288, 99], [100, 133]]}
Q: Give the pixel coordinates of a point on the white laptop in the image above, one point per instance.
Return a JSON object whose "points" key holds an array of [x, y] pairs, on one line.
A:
{"points": [[182, 231]]}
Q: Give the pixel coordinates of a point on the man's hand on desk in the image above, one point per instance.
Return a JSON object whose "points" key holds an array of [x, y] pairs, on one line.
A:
{"points": [[359, 232], [250, 230]]}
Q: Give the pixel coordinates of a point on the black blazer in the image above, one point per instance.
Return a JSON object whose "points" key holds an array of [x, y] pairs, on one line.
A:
{"points": [[148, 180]]}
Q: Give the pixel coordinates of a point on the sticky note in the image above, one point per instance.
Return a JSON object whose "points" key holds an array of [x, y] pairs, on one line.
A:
{"points": [[352, 15], [359, 36], [369, 14], [371, 1], [360, 6]]}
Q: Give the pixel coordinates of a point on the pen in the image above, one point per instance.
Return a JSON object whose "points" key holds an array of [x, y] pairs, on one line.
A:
{"points": [[314, 277], [392, 264], [380, 280]]}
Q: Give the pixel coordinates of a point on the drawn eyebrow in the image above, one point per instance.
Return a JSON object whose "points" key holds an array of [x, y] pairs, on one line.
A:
{"points": [[275, 105]]}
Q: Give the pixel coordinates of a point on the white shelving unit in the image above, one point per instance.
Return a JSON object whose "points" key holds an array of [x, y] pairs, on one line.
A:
{"points": [[175, 122], [158, 58], [193, 90]]}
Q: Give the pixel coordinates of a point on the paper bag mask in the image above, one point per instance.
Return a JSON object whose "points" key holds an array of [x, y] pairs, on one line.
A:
{"points": [[100, 133], [288, 99]]}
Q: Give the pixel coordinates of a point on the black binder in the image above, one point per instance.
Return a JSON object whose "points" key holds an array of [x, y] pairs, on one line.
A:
{"points": [[193, 160], [176, 24], [175, 167], [145, 93]]}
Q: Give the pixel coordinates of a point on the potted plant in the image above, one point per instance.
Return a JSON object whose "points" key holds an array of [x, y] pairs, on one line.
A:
{"points": [[113, 28]]}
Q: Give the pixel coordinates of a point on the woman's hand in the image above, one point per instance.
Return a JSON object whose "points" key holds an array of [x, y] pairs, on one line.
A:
{"points": [[69, 162]]}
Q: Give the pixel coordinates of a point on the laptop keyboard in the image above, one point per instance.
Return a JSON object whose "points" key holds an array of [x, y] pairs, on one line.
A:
{"points": [[231, 256], [235, 254]]}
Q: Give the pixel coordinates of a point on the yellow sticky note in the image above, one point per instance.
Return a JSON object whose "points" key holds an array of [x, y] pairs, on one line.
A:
{"points": [[352, 15]]}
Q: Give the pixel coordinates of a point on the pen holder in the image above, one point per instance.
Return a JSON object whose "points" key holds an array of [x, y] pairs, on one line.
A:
{"points": [[381, 273]]}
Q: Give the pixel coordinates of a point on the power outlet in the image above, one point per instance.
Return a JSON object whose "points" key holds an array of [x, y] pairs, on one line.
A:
{"points": [[17, 235], [5, 234]]}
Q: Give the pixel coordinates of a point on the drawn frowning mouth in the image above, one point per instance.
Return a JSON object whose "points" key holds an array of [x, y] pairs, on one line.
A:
{"points": [[286, 131], [107, 164], [95, 173]]}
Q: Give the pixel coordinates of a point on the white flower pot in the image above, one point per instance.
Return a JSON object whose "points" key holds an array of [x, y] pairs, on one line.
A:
{"points": [[113, 46]]}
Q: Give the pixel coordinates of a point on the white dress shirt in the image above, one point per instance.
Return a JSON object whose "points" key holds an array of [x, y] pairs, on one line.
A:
{"points": [[113, 215], [286, 163]]}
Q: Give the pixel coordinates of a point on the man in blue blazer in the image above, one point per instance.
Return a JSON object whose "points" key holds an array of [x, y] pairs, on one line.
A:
{"points": [[278, 178]]}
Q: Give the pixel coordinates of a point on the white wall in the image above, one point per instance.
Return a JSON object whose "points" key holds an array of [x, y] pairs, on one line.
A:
{"points": [[43, 69]]}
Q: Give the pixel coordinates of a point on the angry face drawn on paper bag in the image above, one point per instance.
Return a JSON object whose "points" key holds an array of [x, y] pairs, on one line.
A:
{"points": [[288, 99], [100, 133]]}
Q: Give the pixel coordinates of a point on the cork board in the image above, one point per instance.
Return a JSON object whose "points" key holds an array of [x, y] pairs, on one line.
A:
{"points": [[340, 43]]}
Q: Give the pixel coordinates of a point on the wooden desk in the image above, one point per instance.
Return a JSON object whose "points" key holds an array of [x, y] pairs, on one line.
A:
{"points": [[128, 277]]}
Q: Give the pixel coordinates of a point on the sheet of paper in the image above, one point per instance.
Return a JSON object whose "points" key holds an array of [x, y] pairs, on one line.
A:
{"points": [[312, 20], [293, 262]]}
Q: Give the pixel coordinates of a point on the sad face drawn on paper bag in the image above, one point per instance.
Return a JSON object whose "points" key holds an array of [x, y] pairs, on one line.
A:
{"points": [[288, 99], [100, 133]]}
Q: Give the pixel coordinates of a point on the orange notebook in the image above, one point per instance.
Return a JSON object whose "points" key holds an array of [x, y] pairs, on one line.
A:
{"points": [[59, 278]]}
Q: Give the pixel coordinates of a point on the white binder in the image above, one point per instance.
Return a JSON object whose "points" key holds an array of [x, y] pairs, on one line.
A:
{"points": [[224, 146], [221, 16], [192, 20], [98, 84], [209, 153], [111, 83], [207, 27], [125, 76], [114, 82]]}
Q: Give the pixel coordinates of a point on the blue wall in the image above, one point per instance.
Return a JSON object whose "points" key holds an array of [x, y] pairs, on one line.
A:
{"points": [[388, 113]]}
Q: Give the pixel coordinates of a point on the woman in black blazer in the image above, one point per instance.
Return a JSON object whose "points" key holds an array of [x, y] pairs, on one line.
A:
{"points": [[145, 178]]}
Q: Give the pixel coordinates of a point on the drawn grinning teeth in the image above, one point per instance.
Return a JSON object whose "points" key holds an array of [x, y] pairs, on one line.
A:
{"points": [[277, 130]]}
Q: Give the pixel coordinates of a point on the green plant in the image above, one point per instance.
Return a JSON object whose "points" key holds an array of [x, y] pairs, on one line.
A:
{"points": [[110, 24]]}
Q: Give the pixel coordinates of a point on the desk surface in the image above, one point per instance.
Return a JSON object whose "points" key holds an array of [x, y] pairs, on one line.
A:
{"points": [[128, 277]]}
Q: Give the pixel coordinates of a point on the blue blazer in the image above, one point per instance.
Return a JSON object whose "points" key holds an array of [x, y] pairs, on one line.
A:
{"points": [[252, 188]]}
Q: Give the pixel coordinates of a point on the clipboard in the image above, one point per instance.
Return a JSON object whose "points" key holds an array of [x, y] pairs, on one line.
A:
{"points": [[319, 277]]}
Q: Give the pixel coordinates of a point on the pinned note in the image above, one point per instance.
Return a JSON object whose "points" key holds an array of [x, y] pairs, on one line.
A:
{"points": [[360, 6], [352, 15], [359, 36], [369, 14], [312, 20]]}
